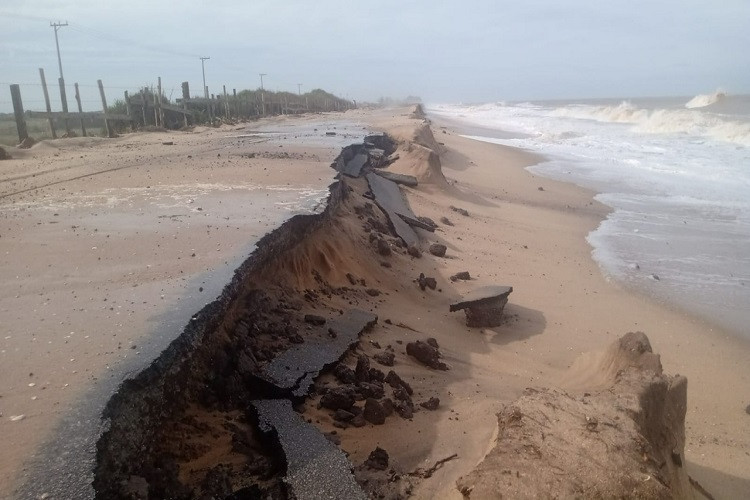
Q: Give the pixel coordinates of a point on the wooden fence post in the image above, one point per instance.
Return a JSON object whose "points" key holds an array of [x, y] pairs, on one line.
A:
{"points": [[46, 102], [15, 96], [129, 110], [158, 100], [104, 108], [185, 99], [156, 109], [64, 100], [226, 103], [80, 110], [144, 107]]}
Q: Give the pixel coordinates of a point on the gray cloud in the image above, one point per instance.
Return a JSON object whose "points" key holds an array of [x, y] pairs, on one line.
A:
{"points": [[444, 51]]}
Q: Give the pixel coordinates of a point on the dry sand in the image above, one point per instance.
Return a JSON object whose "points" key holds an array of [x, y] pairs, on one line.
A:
{"points": [[516, 234], [107, 247]]}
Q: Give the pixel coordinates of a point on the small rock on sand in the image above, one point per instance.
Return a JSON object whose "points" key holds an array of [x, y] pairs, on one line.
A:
{"points": [[344, 374], [315, 319], [385, 358], [337, 399], [463, 275], [438, 249], [395, 382], [378, 459], [431, 404], [446, 221], [362, 370], [384, 248], [374, 412], [461, 211], [414, 251], [376, 375], [426, 282], [425, 354], [343, 416]]}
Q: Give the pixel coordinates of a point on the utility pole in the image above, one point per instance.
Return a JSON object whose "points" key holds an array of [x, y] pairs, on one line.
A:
{"points": [[299, 89], [61, 81], [203, 68], [57, 26], [262, 94]]}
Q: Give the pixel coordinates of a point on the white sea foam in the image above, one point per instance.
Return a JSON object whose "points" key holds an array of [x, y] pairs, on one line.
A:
{"points": [[677, 178]]}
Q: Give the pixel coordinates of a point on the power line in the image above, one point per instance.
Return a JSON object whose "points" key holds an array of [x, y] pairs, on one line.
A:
{"points": [[125, 41]]}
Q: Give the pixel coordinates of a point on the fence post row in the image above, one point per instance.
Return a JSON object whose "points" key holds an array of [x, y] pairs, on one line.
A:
{"points": [[213, 105]]}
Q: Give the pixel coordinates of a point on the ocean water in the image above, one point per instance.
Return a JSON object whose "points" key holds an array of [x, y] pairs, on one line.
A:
{"points": [[676, 172]]}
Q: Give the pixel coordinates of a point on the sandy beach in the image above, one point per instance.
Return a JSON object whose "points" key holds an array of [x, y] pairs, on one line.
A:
{"points": [[110, 246]]}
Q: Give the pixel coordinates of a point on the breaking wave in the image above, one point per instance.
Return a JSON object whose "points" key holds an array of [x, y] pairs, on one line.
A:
{"points": [[703, 100], [691, 121]]}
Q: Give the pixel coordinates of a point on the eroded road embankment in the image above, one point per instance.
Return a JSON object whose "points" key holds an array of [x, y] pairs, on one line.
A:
{"points": [[214, 414]]}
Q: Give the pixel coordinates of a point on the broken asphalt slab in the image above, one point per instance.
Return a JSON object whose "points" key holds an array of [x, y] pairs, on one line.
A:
{"points": [[484, 306], [406, 180], [295, 369], [353, 167], [315, 467], [481, 295], [388, 196]]}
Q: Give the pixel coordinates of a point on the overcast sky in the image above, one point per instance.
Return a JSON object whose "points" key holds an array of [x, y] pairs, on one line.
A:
{"points": [[444, 51]]}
